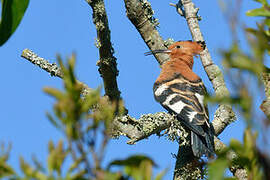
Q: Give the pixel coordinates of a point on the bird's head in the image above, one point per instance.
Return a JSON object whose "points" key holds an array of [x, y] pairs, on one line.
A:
{"points": [[181, 48]]}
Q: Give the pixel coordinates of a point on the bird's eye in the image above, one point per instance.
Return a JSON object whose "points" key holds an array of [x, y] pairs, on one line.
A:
{"points": [[178, 47]]}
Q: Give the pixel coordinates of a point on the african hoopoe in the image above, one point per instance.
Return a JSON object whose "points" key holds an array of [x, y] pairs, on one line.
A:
{"points": [[180, 91]]}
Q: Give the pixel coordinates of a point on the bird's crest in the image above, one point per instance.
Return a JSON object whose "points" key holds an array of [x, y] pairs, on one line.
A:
{"points": [[180, 48]]}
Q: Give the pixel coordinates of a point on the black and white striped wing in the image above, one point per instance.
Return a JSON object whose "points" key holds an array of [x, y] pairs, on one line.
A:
{"points": [[185, 99]]}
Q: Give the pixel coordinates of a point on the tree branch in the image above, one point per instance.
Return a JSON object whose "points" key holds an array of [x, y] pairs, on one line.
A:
{"points": [[224, 115], [142, 128], [44, 64], [107, 62], [140, 14], [51, 68], [265, 106], [137, 14]]}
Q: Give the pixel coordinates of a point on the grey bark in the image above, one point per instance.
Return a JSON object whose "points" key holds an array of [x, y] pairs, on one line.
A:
{"points": [[265, 106], [51, 68], [140, 14], [107, 62]]}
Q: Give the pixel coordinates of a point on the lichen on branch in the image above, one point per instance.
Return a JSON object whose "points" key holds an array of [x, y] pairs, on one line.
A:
{"points": [[107, 61]]}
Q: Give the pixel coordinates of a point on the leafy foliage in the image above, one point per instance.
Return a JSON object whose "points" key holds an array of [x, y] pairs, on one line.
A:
{"points": [[242, 65], [5, 169], [263, 11], [12, 13], [247, 157], [81, 119], [137, 166]]}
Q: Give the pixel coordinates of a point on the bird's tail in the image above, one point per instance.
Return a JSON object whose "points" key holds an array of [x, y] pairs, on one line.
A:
{"points": [[203, 145]]}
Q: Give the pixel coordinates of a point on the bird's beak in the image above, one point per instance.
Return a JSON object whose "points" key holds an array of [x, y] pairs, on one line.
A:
{"points": [[157, 51]]}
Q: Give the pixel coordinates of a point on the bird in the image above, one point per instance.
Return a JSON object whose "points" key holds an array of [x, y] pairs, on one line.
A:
{"points": [[181, 92]]}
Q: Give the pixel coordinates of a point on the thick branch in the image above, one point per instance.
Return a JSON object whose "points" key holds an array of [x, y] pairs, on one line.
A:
{"points": [[107, 62], [140, 14], [142, 128]]}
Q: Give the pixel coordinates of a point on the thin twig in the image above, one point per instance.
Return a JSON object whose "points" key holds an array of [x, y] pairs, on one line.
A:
{"points": [[104, 144], [83, 154], [51, 68], [44, 64]]}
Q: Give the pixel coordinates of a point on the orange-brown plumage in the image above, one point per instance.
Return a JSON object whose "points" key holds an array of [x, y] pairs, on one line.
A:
{"points": [[181, 60], [179, 90], [170, 68]]}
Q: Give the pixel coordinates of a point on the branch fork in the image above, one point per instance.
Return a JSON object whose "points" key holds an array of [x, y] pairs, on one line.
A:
{"points": [[181, 11]]}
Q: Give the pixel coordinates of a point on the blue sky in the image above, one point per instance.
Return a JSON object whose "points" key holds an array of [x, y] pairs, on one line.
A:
{"points": [[62, 27]]}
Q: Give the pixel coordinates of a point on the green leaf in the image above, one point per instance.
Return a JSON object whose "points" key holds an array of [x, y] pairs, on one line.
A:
{"points": [[131, 161], [50, 146], [267, 22], [53, 121], [217, 168], [258, 12], [138, 166], [264, 2], [5, 170], [25, 167], [236, 146], [75, 165], [106, 175], [91, 99], [38, 165], [79, 175], [30, 172], [56, 157], [54, 92], [12, 13], [161, 174], [249, 139]]}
